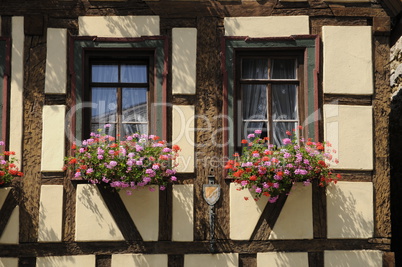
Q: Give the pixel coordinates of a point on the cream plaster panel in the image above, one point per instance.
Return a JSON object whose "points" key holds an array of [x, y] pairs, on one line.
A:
{"points": [[183, 213], [355, 258], [143, 207], [240, 208], [50, 213], [53, 137], [56, 61], [280, 259], [270, 26], [3, 194], [348, 1], [139, 260], [348, 66], [118, 26], [350, 210], [93, 220], [17, 86], [8, 262], [350, 131], [66, 261], [11, 232], [183, 135], [298, 209], [211, 260], [184, 60]]}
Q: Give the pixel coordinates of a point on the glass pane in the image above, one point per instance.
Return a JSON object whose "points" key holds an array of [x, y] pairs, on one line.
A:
{"points": [[129, 129], [249, 128], [134, 74], [105, 73], [254, 68], [104, 105], [110, 130], [135, 108], [279, 131], [254, 101], [283, 69], [284, 102]]}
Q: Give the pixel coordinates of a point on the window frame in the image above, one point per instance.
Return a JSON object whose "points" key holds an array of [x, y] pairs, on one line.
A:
{"points": [[5, 70], [79, 46], [309, 45], [270, 55], [117, 57]]}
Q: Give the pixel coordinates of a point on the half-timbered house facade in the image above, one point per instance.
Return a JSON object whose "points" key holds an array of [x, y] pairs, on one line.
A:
{"points": [[200, 74]]}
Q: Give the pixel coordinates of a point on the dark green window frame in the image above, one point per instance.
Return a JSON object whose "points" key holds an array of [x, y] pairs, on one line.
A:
{"points": [[79, 46], [309, 45]]}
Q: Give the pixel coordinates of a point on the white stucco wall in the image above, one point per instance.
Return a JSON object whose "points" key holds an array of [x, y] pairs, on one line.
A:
{"points": [[50, 213], [184, 60], [183, 213], [269, 26], [140, 260], [348, 66], [118, 26], [56, 61]]}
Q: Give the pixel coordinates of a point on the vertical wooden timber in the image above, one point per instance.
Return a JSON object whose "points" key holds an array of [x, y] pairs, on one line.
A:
{"points": [[381, 111], [208, 107], [103, 260], [33, 99], [247, 260], [176, 260], [316, 259]]}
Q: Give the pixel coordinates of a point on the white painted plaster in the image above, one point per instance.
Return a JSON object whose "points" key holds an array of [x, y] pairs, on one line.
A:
{"points": [[281, 259], [140, 260], [56, 61], [143, 207], [348, 66], [8, 262], [350, 131], [296, 218], [118, 26], [93, 220], [269, 26], [355, 258], [240, 208], [184, 60], [183, 135], [350, 210], [11, 231], [50, 213], [66, 261], [183, 213], [17, 86], [211, 260], [53, 136], [3, 194]]}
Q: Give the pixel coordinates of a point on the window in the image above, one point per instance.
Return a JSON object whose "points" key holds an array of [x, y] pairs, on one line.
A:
{"points": [[119, 92], [269, 84], [268, 94], [118, 81]]}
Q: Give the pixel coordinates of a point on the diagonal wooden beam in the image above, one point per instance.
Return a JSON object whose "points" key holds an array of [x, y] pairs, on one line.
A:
{"points": [[119, 213], [268, 219], [5, 212]]}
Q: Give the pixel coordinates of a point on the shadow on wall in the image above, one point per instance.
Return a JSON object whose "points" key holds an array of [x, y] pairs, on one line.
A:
{"points": [[346, 216], [395, 148]]}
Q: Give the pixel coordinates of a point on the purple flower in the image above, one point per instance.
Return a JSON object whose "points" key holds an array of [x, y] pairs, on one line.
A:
{"points": [[258, 190], [166, 150], [107, 126], [286, 141], [243, 183], [162, 188], [150, 172], [151, 188], [155, 167], [105, 180], [77, 175], [90, 170], [100, 151], [138, 162], [113, 163], [250, 136], [1, 143], [173, 178], [273, 199], [286, 155], [276, 185], [307, 182], [100, 156], [258, 131]]}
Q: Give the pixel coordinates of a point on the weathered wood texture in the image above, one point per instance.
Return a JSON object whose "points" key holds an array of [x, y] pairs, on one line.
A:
{"points": [[247, 260], [381, 111], [33, 99], [196, 247], [176, 260], [208, 138]]}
